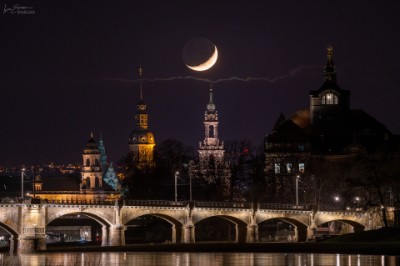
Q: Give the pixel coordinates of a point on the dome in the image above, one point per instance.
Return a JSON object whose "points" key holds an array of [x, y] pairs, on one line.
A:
{"points": [[91, 146], [141, 136]]}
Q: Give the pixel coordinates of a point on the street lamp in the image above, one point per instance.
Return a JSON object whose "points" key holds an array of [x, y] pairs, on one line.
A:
{"points": [[297, 190], [176, 185], [22, 182], [337, 199], [190, 186]]}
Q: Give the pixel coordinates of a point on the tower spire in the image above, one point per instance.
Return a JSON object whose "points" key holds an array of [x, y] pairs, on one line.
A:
{"points": [[140, 80], [329, 69], [211, 105], [211, 94]]}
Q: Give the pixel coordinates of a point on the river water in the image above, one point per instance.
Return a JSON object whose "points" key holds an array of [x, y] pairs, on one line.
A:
{"points": [[186, 259]]}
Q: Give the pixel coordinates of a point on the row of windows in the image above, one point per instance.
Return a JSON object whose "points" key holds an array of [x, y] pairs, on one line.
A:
{"points": [[96, 162], [289, 168], [330, 98]]}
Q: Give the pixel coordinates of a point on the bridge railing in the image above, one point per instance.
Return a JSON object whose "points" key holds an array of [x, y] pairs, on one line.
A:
{"points": [[338, 208], [246, 205], [282, 206], [79, 202], [155, 203]]}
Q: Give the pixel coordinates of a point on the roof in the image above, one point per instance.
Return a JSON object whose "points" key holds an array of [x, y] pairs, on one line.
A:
{"points": [[330, 85], [361, 128]]}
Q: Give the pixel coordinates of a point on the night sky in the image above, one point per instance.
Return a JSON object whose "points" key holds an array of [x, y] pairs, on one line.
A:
{"points": [[71, 68]]}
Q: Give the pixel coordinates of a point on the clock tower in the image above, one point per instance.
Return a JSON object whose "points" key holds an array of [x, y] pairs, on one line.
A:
{"points": [[141, 140], [211, 148]]}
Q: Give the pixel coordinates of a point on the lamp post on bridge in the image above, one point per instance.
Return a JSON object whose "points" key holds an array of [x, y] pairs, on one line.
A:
{"points": [[22, 182], [297, 191], [176, 185]]}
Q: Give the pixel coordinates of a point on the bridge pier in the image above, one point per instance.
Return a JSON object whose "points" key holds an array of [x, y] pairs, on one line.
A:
{"points": [[13, 244], [28, 244], [117, 235], [173, 237], [104, 236], [252, 233], [310, 233], [188, 234]]}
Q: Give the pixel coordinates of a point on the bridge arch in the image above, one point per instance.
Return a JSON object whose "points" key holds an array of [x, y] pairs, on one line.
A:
{"points": [[357, 226], [176, 225], [240, 225], [300, 227], [102, 218]]}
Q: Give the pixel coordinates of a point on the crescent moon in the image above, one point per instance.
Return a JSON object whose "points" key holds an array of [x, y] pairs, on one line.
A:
{"points": [[207, 64]]}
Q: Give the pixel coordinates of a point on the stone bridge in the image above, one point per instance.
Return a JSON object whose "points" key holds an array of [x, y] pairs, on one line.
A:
{"points": [[26, 222]]}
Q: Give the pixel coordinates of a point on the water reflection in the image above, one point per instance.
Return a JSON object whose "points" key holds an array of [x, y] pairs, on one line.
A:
{"points": [[186, 259]]}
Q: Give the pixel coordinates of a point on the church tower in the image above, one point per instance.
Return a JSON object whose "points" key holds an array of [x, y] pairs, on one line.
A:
{"points": [[141, 141], [211, 148], [329, 105], [103, 156], [91, 167]]}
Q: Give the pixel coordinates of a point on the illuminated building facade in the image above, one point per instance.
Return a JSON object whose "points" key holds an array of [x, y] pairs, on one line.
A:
{"points": [[91, 168], [67, 188], [212, 166]]}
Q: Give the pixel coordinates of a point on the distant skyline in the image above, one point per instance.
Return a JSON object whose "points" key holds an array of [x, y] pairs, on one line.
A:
{"points": [[71, 68]]}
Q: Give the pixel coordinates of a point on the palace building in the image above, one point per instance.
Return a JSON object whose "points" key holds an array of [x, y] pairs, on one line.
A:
{"points": [[90, 187], [141, 140], [308, 144]]}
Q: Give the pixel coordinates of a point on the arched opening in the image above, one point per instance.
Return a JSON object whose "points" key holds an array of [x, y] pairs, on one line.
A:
{"points": [[87, 182], [96, 162], [75, 229], [330, 99], [220, 229], [87, 162], [152, 229], [211, 131], [8, 239], [337, 227], [96, 182], [282, 230]]}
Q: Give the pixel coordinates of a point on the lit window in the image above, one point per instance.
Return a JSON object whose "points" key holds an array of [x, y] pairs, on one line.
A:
{"points": [[301, 147], [329, 98], [301, 168], [277, 168], [289, 168]]}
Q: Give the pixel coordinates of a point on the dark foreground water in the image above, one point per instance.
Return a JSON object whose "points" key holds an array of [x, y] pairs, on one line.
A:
{"points": [[186, 259]]}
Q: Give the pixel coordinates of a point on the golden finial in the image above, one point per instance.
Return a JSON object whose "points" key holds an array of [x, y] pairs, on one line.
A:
{"points": [[140, 79], [329, 49], [140, 71]]}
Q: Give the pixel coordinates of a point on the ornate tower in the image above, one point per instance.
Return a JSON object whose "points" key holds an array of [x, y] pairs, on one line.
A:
{"points": [[91, 169], [329, 105], [141, 140], [103, 156], [211, 148], [212, 167]]}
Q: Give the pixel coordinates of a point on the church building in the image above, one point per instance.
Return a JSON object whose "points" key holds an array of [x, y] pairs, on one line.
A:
{"points": [[90, 187], [212, 166]]}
